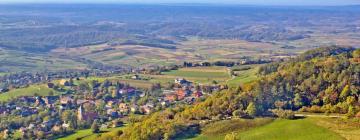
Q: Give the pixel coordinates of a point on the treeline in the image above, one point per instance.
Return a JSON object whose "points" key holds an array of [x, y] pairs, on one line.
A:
{"points": [[328, 83]]}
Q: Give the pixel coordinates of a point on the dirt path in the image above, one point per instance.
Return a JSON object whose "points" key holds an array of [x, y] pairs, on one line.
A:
{"points": [[318, 115]]}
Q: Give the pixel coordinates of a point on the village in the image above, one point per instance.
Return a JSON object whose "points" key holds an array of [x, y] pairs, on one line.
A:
{"points": [[109, 101]]}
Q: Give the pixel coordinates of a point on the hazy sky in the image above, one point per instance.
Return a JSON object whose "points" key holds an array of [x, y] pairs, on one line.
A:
{"points": [[247, 2]]}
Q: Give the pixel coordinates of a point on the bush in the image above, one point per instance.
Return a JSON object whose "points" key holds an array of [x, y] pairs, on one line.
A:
{"points": [[358, 115], [316, 109], [284, 114], [240, 114]]}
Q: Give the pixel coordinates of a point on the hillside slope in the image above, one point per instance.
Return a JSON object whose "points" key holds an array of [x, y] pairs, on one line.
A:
{"points": [[322, 80]]}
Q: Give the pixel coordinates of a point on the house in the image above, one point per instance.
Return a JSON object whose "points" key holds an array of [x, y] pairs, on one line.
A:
{"points": [[165, 92], [112, 113], [64, 82], [117, 123], [56, 128], [88, 116], [2, 90], [82, 101], [134, 108], [181, 81], [65, 125], [110, 103], [146, 109], [123, 107], [135, 77], [171, 97], [51, 99], [197, 94], [181, 94], [129, 90], [165, 103], [39, 101], [50, 85], [66, 100]]}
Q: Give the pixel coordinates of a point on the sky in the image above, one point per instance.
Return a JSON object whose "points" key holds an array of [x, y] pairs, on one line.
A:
{"points": [[244, 2]]}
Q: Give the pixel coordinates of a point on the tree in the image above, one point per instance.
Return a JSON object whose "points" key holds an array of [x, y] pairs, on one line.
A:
{"points": [[231, 136], [298, 101], [279, 104], [214, 82], [95, 127], [51, 93], [251, 109], [351, 112], [356, 53], [239, 113], [345, 92]]}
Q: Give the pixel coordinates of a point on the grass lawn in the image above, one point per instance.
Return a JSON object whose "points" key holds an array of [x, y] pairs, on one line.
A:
{"points": [[41, 90], [302, 129]]}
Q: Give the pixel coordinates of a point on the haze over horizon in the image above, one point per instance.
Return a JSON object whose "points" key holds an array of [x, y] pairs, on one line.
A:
{"points": [[240, 2]]}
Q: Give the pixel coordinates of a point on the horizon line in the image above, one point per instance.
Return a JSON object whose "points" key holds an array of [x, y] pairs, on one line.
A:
{"points": [[175, 3]]}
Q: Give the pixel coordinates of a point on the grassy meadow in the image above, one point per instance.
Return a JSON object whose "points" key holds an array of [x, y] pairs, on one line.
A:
{"points": [[347, 128], [243, 75], [87, 134], [279, 129], [40, 90]]}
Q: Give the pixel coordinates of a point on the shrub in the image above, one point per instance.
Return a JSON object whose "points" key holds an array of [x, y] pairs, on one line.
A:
{"points": [[358, 115], [240, 114], [316, 109], [284, 114]]}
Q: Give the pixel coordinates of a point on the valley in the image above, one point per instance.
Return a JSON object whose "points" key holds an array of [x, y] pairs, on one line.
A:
{"points": [[179, 71]]}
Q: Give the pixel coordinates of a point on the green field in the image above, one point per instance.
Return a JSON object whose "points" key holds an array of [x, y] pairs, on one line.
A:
{"points": [[199, 74], [40, 90], [302, 129], [218, 130], [87, 134], [243, 77], [2, 73]]}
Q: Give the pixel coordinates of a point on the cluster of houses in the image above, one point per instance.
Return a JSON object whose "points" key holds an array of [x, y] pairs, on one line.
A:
{"points": [[112, 108], [185, 91]]}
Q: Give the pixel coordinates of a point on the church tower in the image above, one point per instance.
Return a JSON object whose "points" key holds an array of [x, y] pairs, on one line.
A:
{"points": [[80, 113]]}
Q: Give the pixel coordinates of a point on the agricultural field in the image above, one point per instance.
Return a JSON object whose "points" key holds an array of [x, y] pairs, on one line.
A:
{"points": [[203, 75], [15, 61], [193, 50], [280, 130], [40, 90]]}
